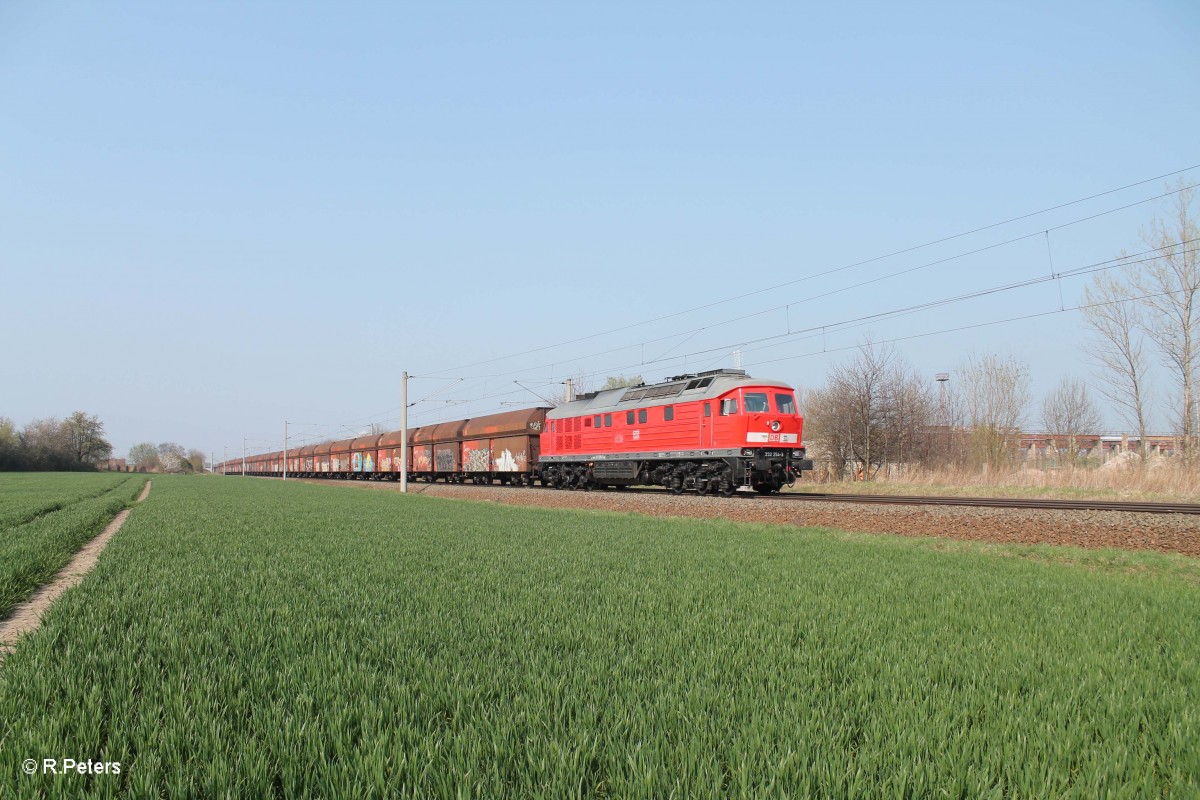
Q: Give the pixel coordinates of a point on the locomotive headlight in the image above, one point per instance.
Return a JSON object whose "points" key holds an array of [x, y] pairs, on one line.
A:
{"points": [[775, 426]]}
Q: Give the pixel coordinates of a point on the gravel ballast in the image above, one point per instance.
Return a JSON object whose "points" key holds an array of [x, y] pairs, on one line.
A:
{"points": [[1165, 533]]}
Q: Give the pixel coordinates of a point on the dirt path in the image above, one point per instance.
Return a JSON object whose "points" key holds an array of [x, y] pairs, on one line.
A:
{"points": [[27, 616]]}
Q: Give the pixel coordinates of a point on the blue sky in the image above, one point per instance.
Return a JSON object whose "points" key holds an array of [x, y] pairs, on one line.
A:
{"points": [[219, 216]]}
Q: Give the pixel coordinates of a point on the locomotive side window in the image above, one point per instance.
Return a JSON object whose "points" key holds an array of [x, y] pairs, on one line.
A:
{"points": [[596, 421], [668, 413], [642, 415], [707, 409], [756, 403], [553, 426], [608, 420], [728, 406], [628, 417], [784, 404]]}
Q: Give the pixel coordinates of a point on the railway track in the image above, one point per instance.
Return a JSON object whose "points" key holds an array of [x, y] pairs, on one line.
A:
{"points": [[905, 500], [991, 502]]}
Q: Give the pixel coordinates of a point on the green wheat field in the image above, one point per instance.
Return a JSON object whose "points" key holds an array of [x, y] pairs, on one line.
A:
{"points": [[251, 638]]}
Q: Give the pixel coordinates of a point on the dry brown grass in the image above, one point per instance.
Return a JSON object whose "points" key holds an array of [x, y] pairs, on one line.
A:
{"points": [[1162, 480]]}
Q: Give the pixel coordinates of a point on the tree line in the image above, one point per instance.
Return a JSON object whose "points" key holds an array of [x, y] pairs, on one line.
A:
{"points": [[165, 457], [875, 410], [77, 443], [74, 443]]}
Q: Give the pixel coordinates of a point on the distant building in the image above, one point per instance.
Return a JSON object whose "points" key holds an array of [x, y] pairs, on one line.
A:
{"points": [[113, 465], [1102, 447]]}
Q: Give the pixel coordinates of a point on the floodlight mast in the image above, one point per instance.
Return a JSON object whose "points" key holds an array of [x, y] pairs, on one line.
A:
{"points": [[285, 437]]}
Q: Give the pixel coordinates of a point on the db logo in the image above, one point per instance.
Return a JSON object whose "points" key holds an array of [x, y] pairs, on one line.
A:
{"points": [[772, 437]]}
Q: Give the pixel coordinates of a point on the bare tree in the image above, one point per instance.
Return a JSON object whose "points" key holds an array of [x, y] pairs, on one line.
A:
{"points": [[144, 456], [1118, 351], [377, 429], [1068, 413], [85, 438], [1169, 286], [196, 459], [949, 436], [46, 444], [874, 411], [996, 391], [824, 431]]}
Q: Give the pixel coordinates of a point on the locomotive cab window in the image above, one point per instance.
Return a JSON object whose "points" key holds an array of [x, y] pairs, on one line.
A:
{"points": [[728, 406], [628, 417], [642, 415], [785, 404], [708, 409], [756, 403], [668, 413]]}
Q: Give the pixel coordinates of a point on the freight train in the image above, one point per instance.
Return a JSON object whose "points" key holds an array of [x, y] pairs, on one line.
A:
{"points": [[711, 432]]}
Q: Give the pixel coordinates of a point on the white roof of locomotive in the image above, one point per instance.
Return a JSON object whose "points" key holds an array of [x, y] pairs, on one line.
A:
{"points": [[705, 386]]}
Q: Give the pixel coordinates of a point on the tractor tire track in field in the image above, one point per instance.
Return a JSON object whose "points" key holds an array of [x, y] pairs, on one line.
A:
{"points": [[27, 616]]}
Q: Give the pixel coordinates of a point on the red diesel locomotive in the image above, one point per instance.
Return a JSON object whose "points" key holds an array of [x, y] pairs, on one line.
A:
{"points": [[712, 432]]}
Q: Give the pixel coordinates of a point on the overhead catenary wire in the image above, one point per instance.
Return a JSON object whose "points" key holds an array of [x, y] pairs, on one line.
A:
{"points": [[834, 326], [832, 292], [840, 325], [845, 324], [785, 307], [855, 264]]}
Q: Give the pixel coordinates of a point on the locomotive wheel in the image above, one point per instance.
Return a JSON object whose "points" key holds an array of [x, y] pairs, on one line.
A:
{"points": [[676, 486], [727, 488]]}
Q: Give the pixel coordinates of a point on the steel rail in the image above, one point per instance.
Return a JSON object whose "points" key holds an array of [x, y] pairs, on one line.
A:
{"points": [[865, 499]]}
